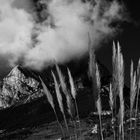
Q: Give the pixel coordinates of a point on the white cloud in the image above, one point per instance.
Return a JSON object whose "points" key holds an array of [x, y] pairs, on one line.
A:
{"points": [[62, 36]]}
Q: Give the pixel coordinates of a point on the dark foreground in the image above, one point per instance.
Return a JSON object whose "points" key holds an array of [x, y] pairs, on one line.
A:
{"points": [[36, 121], [51, 131]]}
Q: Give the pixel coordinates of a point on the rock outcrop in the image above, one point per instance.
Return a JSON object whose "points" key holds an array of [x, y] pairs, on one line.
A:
{"points": [[19, 88]]}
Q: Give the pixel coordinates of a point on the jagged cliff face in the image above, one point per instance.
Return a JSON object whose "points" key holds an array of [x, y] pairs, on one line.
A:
{"points": [[19, 89]]}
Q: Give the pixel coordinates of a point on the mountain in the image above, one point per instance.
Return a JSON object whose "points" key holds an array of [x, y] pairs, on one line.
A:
{"points": [[19, 88]]}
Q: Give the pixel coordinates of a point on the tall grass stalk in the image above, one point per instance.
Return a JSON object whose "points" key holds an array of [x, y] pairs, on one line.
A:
{"points": [[133, 88], [114, 87], [92, 65], [65, 91], [98, 102], [114, 77], [137, 96], [117, 88], [69, 102], [111, 107], [74, 93], [50, 100], [59, 98], [121, 86], [96, 85]]}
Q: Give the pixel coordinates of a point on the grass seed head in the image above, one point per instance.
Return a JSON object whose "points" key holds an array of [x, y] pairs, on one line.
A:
{"points": [[58, 94], [72, 86], [47, 93]]}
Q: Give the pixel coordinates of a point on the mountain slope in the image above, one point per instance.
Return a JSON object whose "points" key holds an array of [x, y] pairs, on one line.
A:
{"points": [[18, 88]]}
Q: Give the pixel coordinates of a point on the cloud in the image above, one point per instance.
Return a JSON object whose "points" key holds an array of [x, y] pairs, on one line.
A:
{"points": [[61, 36], [15, 31]]}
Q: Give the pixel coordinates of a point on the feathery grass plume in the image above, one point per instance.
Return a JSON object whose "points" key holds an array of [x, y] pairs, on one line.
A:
{"points": [[91, 57], [117, 87], [121, 86], [60, 102], [133, 88], [111, 106], [70, 106], [73, 90], [114, 76], [99, 109], [98, 102], [98, 81], [74, 93], [50, 100], [62, 79], [65, 91], [47, 93], [120, 71], [110, 97], [92, 65], [137, 96]]}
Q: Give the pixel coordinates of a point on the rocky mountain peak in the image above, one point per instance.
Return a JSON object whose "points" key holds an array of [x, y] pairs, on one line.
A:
{"points": [[19, 88]]}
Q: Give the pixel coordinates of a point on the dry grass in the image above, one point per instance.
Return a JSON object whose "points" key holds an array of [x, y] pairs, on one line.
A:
{"points": [[98, 102], [74, 93], [73, 90], [111, 103], [132, 94], [50, 100], [70, 105], [65, 91], [48, 94], [60, 102], [137, 96], [116, 92], [116, 89], [92, 73]]}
